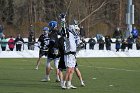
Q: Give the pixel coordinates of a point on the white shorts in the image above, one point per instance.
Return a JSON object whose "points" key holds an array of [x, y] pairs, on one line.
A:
{"points": [[70, 60], [56, 62]]}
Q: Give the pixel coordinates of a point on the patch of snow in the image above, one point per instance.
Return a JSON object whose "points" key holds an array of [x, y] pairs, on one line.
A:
{"points": [[25, 53]]}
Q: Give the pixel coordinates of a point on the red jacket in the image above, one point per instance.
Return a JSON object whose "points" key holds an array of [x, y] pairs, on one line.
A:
{"points": [[11, 43]]}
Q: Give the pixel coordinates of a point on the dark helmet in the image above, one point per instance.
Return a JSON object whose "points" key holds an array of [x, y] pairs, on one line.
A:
{"points": [[62, 15]]}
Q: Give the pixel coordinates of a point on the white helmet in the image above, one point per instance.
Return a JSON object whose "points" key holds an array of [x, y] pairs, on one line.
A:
{"points": [[77, 28], [71, 27], [74, 27]]}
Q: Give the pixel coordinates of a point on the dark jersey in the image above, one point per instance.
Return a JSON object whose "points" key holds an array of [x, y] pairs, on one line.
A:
{"points": [[41, 40], [61, 65], [44, 41], [53, 47]]}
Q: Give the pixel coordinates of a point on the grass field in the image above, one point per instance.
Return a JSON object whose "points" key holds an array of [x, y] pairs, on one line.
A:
{"points": [[101, 75]]}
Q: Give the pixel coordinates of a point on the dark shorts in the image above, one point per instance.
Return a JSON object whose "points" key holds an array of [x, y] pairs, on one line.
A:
{"points": [[76, 65], [61, 65]]}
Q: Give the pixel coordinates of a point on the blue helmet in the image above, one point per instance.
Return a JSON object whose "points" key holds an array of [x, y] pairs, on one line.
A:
{"points": [[45, 29], [53, 24]]}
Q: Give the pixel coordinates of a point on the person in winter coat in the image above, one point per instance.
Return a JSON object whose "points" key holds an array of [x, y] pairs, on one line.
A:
{"points": [[108, 42], [124, 45], [19, 41], [130, 42], [3, 43], [11, 43], [135, 33], [1, 31], [118, 45], [91, 42], [117, 33], [101, 44], [84, 43], [138, 43]]}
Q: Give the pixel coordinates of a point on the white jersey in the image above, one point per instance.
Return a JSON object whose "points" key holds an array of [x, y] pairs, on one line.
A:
{"points": [[72, 42], [70, 60]]}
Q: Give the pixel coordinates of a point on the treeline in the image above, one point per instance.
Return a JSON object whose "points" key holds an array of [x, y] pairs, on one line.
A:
{"points": [[96, 16]]}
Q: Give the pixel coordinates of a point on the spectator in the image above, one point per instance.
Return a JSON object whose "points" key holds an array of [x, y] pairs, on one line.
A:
{"points": [[101, 44], [81, 45], [138, 43], [84, 43], [19, 41], [31, 42], [3, 43], [1, 31], [124, 45], [99, 36], [91, 42], [130, 41], [117, 33], [31, 30], [11, 43], [118, 45], [31, 38], [134, 33], [108, 42], [82, 32]]}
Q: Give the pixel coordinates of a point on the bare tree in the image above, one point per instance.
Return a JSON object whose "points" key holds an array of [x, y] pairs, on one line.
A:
{"points": [[97, 16]]}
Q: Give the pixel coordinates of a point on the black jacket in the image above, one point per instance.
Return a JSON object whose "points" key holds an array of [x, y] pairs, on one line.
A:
{"points": [[19, 40]]}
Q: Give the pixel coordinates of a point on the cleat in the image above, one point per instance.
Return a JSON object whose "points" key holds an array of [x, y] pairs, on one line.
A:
{"points": [[63, 87], [71, 87], [36, 68], [57, 80], [45, 80], [82, 84]]}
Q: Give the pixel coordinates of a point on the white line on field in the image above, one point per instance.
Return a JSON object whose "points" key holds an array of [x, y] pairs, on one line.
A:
{"points": [[112, 68]]}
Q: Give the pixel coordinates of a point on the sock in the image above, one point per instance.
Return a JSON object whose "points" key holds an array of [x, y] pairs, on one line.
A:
{"points": [[61, 81], [47, 76], [57, 78], [68, 83], [64, 83], [81, 81]]}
